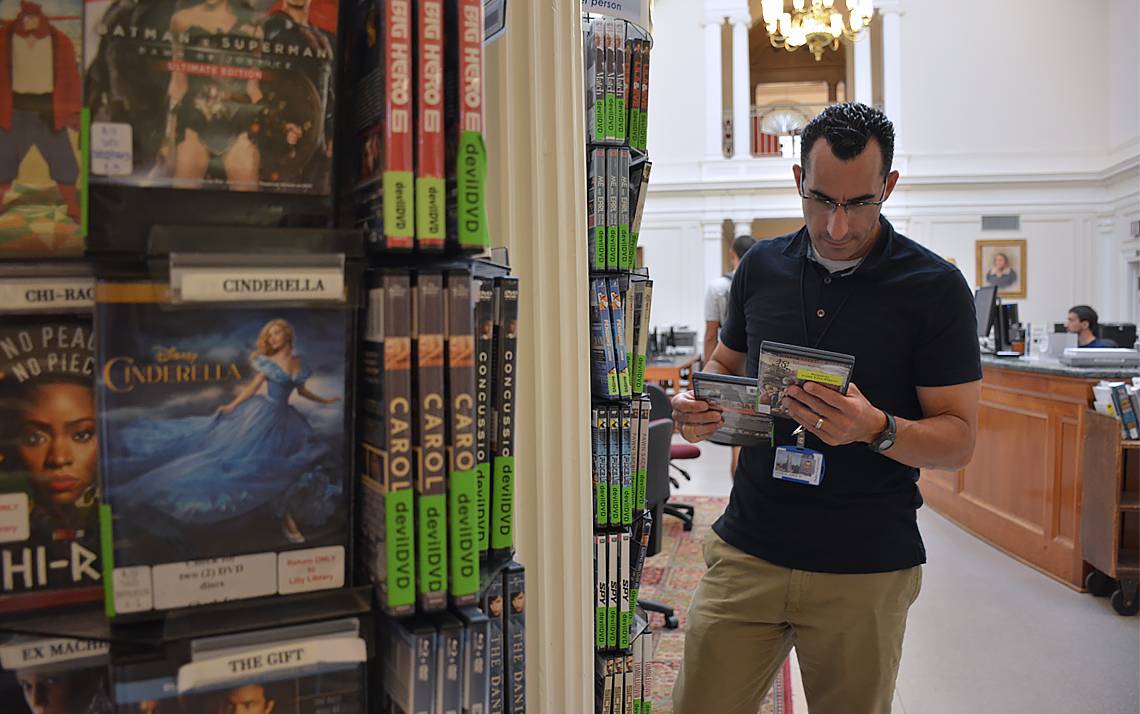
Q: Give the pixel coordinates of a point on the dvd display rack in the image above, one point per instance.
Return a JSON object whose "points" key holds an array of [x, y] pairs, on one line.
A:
{"points": [[620, 293], [256, 394]]}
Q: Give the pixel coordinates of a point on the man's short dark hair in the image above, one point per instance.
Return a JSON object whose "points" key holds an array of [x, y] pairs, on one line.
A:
{"points": [[847, 128], [1085, 313], [741, 244]]}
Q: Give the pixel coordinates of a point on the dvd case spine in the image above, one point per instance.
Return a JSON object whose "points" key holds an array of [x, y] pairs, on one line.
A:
{"points": [[626, 464], [613, 209], [431, 160], [463, 109], [628, 679], [503, 393], [638, 684], [397, 465], [463, 552], [601, 293], [598, 45], [629, 320], [475, 655], [514, 583], [638, 191], [598, 209], [613, 590], [643, 134], [601, 591], [611, 80], [430, 437], [425, 673], [620, 81], [600, 468], [617, 321], [625, 613], [642, 529], [492, 606], [484, 375], [625, 249], [398, 188], [607, 685], [642, 476], [449, 664], [636, 79], [643, 339], [613, 451]]}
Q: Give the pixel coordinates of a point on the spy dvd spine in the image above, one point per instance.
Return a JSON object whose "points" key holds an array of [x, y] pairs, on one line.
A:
{"points": [[464, 122], [613, 589], [601, 590], [475, 659], [431, 159], [617, 320], [514, 580], [484, 376], [613, 452], [431, 452], [600, 467], [492, 606], [503, 396], [613, 209], [463, 550], [626, 464], [625, 612], [449, 663]]}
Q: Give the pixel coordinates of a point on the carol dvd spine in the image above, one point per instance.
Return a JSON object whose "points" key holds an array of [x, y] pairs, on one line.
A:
{"points": [[430, 439], [462, 527]]}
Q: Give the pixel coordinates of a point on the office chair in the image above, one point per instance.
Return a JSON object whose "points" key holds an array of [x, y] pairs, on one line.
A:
{"points": [[660, 408], [656, 494]]}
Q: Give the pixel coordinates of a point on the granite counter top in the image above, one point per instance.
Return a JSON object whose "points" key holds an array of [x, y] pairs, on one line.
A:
{"points": [[1049, 365]]}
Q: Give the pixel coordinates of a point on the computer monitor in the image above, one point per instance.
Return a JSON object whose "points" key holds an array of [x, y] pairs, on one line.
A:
{"points": [[985, 308]]}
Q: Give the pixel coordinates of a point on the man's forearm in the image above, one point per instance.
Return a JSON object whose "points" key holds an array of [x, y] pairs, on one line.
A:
{"points": [[940, 442], [710, 345], [716, 367]]}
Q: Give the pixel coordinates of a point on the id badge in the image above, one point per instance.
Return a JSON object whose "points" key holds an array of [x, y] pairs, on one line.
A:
{"points": [[795, 463]]}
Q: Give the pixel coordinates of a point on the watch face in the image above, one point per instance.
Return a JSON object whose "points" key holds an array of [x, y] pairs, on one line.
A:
{"points": [[886, 444]]}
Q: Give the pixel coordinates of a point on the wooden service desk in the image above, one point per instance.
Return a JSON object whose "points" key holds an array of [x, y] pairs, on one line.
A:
{"points": [[1022, 491], [671, 369]]}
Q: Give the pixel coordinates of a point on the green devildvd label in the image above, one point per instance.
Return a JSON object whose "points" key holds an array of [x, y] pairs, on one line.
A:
{"points": [[463, 532], [503, 495], [400, 548]]}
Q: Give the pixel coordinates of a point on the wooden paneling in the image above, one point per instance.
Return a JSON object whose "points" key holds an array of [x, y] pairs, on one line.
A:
{"points": [[1022, 491]]}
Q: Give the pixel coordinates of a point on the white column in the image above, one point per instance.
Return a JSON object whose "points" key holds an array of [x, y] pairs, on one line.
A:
{"points": [[892, 65], [741, 89], [536, 119], [742, 227], [714, 102], [862, 91], [712, 233]]}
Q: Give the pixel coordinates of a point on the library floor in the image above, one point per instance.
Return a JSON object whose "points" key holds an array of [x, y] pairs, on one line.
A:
{"points": [[989, 634]]}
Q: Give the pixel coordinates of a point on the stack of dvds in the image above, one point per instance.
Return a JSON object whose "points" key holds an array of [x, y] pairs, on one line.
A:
{"points": [[620, 294]]}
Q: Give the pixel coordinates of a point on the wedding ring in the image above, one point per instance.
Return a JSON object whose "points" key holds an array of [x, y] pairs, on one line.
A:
{"points": [[819, 424]]}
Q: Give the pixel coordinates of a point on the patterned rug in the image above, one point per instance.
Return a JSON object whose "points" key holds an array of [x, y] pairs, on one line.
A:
{"points": [[671, 577]]}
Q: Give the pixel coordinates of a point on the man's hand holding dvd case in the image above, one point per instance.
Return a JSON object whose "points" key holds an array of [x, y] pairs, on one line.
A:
{"points": [[735, 398], [783, 366]]}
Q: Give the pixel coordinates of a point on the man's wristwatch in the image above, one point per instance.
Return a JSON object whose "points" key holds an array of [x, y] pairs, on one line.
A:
{"points": [[886, 439]]}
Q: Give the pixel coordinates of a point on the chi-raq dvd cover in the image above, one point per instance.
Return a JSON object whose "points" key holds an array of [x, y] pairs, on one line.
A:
{"points": [[223, 448], [41, 179], [219, 94], [49, 458]]}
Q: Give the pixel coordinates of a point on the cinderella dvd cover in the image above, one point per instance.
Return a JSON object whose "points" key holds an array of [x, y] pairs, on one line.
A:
{"points": [[224, 432]]}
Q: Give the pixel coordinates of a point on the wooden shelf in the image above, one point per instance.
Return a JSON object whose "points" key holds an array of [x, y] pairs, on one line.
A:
{"points": [[1128, 565], [1130, 501], [1130, 444]]}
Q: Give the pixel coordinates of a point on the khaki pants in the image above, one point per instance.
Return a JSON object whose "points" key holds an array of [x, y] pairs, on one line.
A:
{"points": [[747, 614]]}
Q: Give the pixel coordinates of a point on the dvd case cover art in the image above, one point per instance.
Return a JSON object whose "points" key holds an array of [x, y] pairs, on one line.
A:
{"points": [[492, 606], [41, 103], [514, 584], [49, 460], [431, 159], [613, 451], [449, 663], [462, 526], [617, 322], [463, 118], [47, 675], [212, 95], [475, 657], [626, 465], [599, 371], [613, 215], [223, 435], [601, 294], [599, 465], [636, 78], [484, 374], [430, 442], [503, 413], [380, 61], [387, 529], [782, 366]]}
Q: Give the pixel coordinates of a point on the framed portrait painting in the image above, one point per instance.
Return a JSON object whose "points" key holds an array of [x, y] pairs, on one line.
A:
{"points": [[1004, 264]]}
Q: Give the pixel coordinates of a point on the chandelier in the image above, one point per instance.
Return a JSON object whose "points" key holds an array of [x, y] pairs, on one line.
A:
{"points": [[819, 26]]}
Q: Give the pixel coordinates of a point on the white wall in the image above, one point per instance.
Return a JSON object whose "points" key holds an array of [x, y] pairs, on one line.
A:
{"points": [[674, 258], [1123, 72], [677, 82]]}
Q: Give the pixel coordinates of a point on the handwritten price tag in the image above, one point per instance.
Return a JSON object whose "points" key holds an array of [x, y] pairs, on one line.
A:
{"points": [[111, 149]]}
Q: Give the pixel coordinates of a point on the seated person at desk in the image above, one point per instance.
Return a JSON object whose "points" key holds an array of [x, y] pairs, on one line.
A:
{"points": [[1082, 320]]}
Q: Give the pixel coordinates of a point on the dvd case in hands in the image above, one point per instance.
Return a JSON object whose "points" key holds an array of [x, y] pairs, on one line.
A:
{"points": [[430, 446], [492, 606], [409, 675], [484, 375], [463, 107], [782, 366], [625, 613], [49, 487], [431, 160], [41, 201], [183, 98], [180, 394], [462, 527], [514, 585], [503, 411], [617, 322], [449, 663], [380, 60], [475, 655], [735, 398], [626, 257], [643, 324], [613, 208], [600, 467], [613, 589], [386, 531], [613, 451], [626, 464]]}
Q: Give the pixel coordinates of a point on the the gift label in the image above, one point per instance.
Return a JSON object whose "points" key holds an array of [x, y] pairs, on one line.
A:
{"points": [[257, 664]]}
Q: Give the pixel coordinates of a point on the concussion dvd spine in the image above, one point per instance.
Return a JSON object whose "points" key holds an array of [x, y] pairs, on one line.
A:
{"points": [[463, 107], [503, 394], [484, 374], [431, 164], [431, 453], [463, 553]]}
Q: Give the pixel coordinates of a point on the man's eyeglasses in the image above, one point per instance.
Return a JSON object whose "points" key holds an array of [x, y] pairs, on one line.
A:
{"points": [[850, 207]]}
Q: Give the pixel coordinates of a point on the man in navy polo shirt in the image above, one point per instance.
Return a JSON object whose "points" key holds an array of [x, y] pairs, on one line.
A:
{"points": [[832, 569]]}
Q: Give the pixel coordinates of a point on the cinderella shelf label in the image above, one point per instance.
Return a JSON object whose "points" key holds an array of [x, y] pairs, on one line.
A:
{"points": [[258, 284]]}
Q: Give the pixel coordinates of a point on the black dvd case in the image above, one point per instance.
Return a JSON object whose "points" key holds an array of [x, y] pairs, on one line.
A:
{"points": [[514, 584], [484, 423], [503, 411], [462, 516], [493, 607], [430, 441], [475, 660]]}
